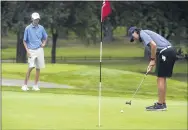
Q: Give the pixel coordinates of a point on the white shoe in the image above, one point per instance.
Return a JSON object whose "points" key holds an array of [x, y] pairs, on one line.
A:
{"points": [[35, 88], [25, 88]]}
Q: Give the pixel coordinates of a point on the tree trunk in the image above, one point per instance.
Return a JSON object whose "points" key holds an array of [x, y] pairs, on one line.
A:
{"points": [[163, 31], [21, 52], [53, 52], [177, 36]]}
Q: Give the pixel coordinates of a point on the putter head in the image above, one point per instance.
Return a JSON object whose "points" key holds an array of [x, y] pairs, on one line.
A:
{"points": [[128, 102]]}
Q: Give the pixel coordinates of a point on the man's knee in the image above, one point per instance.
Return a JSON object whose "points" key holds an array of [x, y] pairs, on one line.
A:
{"points": [[37, 69], [161, 78], [31, 68], [161, 81]]}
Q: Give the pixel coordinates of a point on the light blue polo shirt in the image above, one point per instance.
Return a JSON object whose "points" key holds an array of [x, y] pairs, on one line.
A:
{"points": [[33, 36], [147, 36]]}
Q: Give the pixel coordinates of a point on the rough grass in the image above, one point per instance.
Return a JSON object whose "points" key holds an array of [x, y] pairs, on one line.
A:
{"points": [[77, 50]]}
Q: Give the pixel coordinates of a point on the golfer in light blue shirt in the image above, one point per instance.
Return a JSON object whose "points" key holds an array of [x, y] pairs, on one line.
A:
{"points": [[35, 38]]}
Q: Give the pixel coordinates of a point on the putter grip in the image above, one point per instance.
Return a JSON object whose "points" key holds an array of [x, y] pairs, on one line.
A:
{"points": [[149, 67]]}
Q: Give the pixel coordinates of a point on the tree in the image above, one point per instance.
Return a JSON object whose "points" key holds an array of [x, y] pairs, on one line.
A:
{"points": [[86, 21], [6, 16], [19, 20], [56, 14]]}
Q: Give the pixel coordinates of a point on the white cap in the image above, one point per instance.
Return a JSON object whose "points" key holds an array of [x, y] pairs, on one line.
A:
{"points": [[35, 15]]}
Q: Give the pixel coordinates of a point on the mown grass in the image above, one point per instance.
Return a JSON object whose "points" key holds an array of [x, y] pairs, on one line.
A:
{"points": [[87, 77], [25, 110]]}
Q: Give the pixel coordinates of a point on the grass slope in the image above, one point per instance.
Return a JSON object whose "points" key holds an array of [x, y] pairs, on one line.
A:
{"points": [[87, 78]]}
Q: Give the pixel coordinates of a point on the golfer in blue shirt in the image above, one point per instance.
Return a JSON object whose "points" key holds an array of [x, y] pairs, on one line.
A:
{"points": [[34, 40]]}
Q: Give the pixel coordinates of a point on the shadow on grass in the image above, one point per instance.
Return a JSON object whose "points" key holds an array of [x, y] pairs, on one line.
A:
{"points": [[126, 95]]}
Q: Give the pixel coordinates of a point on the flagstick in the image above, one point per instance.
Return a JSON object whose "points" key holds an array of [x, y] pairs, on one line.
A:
{"points": [[100, 88], [105, 11]]}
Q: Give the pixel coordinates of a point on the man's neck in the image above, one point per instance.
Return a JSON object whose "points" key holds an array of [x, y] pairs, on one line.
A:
{"points": [[35, 24]]}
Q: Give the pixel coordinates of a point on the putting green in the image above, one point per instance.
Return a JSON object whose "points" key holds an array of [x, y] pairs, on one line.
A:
{"points": [[23, 110]]}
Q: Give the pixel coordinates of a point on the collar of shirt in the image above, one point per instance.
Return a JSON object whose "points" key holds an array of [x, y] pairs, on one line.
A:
{"points": [[34, 26]]}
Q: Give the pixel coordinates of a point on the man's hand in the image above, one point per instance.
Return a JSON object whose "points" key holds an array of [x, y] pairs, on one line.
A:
{"points": [[27, 50], [28, 54], [151, 65], [43, 44]]}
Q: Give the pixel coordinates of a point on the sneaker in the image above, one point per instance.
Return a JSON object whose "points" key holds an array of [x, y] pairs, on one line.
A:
{"points": [[165, 106], [35, 88], [25, 88], [156, 107]]}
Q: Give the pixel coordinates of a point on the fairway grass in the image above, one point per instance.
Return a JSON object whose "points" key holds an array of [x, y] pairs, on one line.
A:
{"points": [[24, 110]]}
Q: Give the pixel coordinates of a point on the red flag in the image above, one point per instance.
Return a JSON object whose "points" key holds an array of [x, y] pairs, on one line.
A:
{"points": [[106, 10]]}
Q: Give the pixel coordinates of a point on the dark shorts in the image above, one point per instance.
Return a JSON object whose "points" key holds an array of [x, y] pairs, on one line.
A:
{"points": [[165, 62]]}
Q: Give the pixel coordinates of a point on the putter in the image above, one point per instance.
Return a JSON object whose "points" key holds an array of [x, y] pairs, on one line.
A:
{"points": [[129, 102]]}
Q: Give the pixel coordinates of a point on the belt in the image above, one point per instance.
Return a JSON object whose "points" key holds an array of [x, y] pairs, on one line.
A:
{"points": [[35, 48], [165, 48]]}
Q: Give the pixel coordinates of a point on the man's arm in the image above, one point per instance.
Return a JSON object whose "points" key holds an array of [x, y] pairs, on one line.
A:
{"points": [[153, 50], [149, 41], [25, 39], [153, 55], [25, 45], [44, 41], [44, 37]]}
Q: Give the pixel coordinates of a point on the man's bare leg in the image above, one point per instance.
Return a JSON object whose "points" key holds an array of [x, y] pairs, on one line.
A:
{"points": [[161, 84], [164, 99], [27, 75], [37, 76], [35, 87]]}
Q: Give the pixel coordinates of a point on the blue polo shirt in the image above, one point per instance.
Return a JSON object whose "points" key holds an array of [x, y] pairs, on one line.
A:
{"points": [[147, 36], [33, 36]]}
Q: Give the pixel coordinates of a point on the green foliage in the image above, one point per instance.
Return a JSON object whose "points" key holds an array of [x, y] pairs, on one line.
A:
{"points": [[86, 24], [83, 18]]}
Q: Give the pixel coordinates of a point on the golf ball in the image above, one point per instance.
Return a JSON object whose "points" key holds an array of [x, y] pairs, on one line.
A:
{"points": [[121, 111]]}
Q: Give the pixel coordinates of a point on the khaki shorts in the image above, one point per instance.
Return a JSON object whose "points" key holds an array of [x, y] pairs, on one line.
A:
{"points": [[36, 58]]}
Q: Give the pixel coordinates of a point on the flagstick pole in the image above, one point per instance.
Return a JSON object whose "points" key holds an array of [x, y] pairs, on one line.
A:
{"points": [[107, 10], [100, 88]]}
